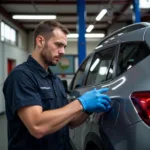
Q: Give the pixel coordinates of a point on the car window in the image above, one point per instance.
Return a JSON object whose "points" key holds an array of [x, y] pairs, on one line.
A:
{"points": [[130, 54], [78, 80], [101, 67], [110, 71]]}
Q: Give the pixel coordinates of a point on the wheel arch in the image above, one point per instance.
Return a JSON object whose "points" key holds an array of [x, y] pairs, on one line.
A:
{"points": [[93, 140]]}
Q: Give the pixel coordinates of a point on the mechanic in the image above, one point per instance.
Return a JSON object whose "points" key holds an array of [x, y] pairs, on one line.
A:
{"points": [[37, 110]]}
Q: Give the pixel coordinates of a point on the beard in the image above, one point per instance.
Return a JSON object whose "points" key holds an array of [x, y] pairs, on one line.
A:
{"points": [[48, 61], [47, 58]]}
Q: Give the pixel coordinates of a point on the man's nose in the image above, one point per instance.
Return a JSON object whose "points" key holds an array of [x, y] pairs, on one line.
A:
{"points": [[62, 50]]}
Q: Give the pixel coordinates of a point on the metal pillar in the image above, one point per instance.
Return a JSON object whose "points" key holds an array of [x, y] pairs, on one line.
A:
{"points": [[136, 8], [81, 31]]}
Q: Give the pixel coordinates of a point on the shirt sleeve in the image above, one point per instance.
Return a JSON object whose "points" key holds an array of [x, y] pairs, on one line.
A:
{"points": [[23, 91]]}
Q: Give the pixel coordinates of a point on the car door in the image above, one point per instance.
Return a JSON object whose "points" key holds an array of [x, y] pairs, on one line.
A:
{"points": [[100, 74], [75, 90], [95, 74]]}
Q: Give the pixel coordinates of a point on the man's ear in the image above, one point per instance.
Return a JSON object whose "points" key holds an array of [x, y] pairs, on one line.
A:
{"points": [[40, 41]]}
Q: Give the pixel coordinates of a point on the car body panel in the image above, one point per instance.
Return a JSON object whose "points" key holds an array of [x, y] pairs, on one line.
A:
{"points": [[127, 138], [121, 128]]}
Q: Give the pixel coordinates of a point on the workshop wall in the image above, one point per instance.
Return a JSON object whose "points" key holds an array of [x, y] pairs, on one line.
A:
{"points": [[17, 54]]}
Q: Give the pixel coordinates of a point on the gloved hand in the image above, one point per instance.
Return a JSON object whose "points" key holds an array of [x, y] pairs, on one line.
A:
{"points": [[94, 101]]}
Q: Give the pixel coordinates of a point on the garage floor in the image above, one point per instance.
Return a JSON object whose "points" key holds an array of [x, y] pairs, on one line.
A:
{"points": [[3, 132]]}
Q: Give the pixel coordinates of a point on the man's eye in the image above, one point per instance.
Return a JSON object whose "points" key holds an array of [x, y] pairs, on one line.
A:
{"points": [[59, 45]]}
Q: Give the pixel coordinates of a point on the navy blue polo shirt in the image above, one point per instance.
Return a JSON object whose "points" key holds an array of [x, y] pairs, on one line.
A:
{"points": [[27, 85]]}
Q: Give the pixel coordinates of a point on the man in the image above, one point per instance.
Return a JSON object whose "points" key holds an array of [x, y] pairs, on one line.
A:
{"points": [[37, 110]]}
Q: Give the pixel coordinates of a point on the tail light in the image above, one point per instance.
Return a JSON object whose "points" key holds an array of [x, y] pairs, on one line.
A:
{"points": [[141, 101]]}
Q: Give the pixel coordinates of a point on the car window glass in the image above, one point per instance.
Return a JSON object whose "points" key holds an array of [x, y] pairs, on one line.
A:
{"points": [[130, 54], [110, 71], [79, 75], [100, 66]]}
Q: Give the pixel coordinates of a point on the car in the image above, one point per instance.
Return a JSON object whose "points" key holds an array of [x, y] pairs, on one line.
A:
{"points": [[119, 62]]}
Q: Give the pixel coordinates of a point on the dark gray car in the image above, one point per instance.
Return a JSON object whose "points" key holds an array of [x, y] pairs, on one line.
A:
{"points": [[120, 62]]}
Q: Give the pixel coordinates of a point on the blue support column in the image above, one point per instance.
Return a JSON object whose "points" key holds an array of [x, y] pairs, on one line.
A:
{"points": [[81, 30], [136, 8]]}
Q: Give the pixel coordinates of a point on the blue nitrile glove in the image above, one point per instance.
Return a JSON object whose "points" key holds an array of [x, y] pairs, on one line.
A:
{"points": [[94, 101]]}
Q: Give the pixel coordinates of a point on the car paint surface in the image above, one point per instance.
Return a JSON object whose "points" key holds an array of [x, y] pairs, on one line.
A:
{"points": [[122, 127]]}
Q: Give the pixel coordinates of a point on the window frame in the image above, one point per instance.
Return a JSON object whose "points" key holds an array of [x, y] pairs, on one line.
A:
{"points": [[89, 60], [118, 52], [116, 45]]}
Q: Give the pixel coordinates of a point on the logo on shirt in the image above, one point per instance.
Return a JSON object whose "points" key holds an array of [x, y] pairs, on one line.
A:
{"points": [[45, 88]]}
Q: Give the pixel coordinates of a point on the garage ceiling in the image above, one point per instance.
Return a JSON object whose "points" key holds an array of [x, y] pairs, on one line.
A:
{"points": [[66, 12]]}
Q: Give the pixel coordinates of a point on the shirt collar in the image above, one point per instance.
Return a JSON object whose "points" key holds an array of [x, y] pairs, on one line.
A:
{"points": [[38, 68]]}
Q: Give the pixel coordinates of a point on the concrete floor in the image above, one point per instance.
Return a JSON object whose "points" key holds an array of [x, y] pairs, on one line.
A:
{"points": [[3, 132]]}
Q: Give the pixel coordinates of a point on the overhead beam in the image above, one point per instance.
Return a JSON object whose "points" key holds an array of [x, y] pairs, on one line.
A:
{"points": [[124, 8], [75, 31], [63, 22], [7, 16], [71, 28], [58, 14], [74, 22], [91, 2], [146, 17]]}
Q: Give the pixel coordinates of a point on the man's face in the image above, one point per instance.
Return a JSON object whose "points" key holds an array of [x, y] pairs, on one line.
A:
{"points": [[54, 48]]}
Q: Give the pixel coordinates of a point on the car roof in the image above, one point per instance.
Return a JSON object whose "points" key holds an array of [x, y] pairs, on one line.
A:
{"points": [[134, 32]]}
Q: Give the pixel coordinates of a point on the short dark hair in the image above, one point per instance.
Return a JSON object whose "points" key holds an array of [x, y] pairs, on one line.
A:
{"points": [[45, 29]]}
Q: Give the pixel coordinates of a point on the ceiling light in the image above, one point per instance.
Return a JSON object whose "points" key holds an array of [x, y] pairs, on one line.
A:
{"points": [[87, 35], [95, 35], [101, 15], [36, 17], [73, 35], [90, 28]]}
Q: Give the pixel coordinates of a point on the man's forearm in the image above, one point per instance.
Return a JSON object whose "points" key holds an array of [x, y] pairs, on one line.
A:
{"points": [[53, 120], [41, 123], [78, 119]]}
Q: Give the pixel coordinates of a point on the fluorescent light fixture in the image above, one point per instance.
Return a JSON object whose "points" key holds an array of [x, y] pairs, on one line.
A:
{"points": [[101, 15], [36, 17], [87, 35], [90, 28], [73, 35], [96, 35]]}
